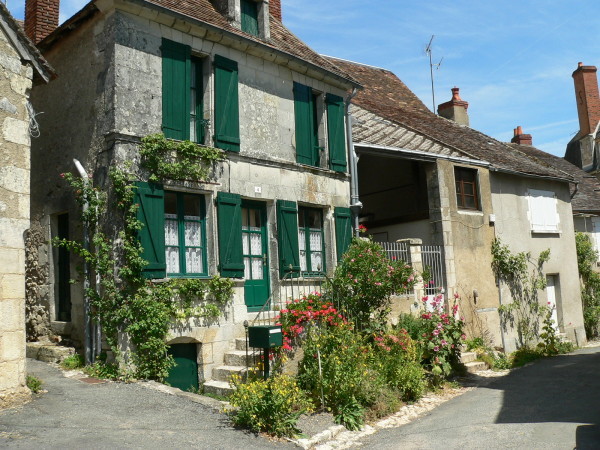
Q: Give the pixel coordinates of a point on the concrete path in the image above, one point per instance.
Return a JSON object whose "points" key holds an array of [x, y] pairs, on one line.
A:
{"points": [[551, 404], [74, 414]]}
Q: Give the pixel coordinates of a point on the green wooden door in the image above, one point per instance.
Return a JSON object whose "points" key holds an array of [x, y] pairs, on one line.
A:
{"points": [[184, 375], [256, 259]]}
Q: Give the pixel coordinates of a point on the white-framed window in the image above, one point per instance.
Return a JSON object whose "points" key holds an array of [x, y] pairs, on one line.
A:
{"points": [[543, 211]]}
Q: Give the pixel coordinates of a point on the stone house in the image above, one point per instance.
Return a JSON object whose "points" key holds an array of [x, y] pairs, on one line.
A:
{"points": [[224, 74], [21, 65], [437, 182]]}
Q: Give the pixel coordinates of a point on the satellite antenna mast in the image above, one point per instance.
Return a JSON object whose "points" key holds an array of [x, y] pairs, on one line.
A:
{"points": [[431, 65]]}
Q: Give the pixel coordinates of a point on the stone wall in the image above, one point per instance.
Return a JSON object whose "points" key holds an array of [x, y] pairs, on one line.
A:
{"points": [[15, 83]]}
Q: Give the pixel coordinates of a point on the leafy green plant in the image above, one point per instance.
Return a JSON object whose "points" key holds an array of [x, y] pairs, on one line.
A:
{"points": [[474, 343], [364, 281], [501, 362], [177, 160], [524, 355], [33, 383], [525, 278], [590, 284], [272, 405], [72, 362], [107, 371]]}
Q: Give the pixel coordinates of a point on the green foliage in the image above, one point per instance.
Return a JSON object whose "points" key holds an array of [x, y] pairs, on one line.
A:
{"points": [[397, 358], [177, 160], [107, 371], [501, 362], [272, 406], [525, 278], [524, 355], [363, 282], [72, 362], [474, 343], [33, 383], [124, 301], [590, 284]]}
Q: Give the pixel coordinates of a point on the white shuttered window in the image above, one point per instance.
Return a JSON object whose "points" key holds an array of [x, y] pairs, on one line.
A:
{"points": [[543, 212]]}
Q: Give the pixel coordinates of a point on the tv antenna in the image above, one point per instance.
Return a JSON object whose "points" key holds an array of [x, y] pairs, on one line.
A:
{"points": [[431, 65]]}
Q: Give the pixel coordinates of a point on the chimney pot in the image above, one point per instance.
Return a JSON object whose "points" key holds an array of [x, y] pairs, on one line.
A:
{"points": [[520, 138], [455, 109]]}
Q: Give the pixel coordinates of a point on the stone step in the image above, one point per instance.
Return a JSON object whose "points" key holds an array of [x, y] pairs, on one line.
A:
{"points": [[218, 388], [224, 373], [238, 358], [467, 357], [48, 352], [240, 343], [476, 366]]}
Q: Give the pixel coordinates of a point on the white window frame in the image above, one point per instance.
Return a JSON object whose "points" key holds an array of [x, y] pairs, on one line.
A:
{"points": [[543, 211]]}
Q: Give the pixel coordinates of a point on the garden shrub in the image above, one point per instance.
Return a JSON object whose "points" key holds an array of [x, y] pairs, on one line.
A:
{"points": [[364, 281], [73, 362], [590, 281], [33, 383], [336, 370], [399, 363], [272, 406]]}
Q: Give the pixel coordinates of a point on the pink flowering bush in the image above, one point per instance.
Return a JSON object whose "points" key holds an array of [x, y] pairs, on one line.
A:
{"points": [[364, 281], [441, 337]]}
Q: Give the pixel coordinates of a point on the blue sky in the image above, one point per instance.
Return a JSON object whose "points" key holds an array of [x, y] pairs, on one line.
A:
{"points": [[512, 62]]}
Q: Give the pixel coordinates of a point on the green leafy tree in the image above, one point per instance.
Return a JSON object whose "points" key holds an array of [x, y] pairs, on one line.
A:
{"points": [[590, 283]]}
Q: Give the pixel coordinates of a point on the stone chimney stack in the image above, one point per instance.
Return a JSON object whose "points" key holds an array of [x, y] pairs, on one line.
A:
{"points": [[275, 9], [41, 18], [588, 100], [520, 138], [455, 109]]}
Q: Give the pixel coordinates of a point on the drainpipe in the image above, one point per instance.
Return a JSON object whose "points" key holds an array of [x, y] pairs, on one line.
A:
{"points": [[87, 320], [355, 204]]}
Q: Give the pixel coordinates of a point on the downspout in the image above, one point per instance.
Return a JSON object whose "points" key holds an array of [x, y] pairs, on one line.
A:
{"points": [[87, 320], [355, 204]]}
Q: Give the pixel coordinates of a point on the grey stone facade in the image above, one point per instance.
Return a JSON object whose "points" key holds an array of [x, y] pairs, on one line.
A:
{"points": [[100, 122]]}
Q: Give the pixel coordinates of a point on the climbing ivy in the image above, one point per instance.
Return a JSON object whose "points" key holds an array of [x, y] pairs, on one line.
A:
{"points": [[123, 301], [590, 284], [525, 278], [177, 160]]}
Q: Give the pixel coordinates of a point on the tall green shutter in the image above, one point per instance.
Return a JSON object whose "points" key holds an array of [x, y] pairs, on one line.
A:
{"points": [[151, 212], [250, 17], [229, 210], [175, 89], [287, 227], [227, 114], [343, 230], [303, 111], [335, 132]]}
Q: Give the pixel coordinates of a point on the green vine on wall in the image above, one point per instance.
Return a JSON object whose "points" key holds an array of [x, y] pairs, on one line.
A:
{"points": [[590, 284], [177, 160], [525, 278], [125, 302]]}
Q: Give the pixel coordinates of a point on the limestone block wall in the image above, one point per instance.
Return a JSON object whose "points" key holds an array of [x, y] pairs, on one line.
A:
{"points": [[15, 84]]}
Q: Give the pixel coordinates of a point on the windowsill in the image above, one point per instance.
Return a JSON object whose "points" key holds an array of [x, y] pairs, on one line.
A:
{"points": [[185, 275], [470, 212], [546, 232]]}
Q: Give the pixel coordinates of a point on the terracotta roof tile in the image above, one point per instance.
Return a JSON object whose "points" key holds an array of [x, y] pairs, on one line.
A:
{"points": [[389, 99]]}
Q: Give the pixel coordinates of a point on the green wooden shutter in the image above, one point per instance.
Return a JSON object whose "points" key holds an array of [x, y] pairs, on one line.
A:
{"points": [[176, 90], [343, 230], [287, 227], [229, 210], [151, 212], [227, 114], [303, 111], [335, 132], [250, 17]]}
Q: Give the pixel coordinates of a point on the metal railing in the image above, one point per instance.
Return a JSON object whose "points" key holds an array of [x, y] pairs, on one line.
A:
{"points": [[397, 251], [433, 262]]}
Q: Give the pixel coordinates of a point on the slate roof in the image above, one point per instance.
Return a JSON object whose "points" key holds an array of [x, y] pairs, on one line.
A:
{"points": [[585, 190], [282, 40], [388, 113], [23, 45]]}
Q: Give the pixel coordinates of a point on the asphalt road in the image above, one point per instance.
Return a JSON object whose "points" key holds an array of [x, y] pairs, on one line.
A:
{"points": [[551, 404], [77, 415]]}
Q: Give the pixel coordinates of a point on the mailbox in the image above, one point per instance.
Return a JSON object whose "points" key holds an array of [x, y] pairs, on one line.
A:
{"points": [[265, 336]]}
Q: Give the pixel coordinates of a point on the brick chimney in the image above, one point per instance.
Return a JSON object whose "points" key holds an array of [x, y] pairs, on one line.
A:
{"points": [[275, 9], [41, 18], [520, 138], [588, 100], [455, 109]]}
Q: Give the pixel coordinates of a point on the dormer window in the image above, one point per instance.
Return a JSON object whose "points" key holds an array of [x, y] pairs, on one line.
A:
{"points": [[249, 9]]}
